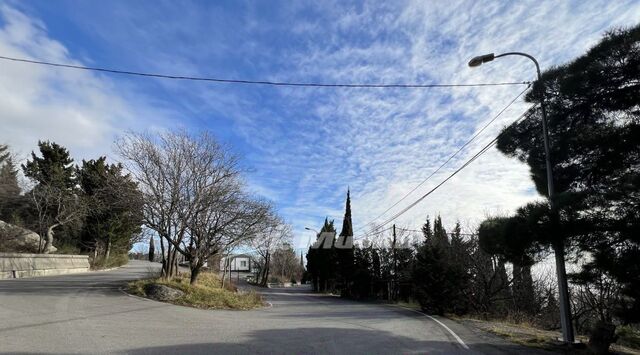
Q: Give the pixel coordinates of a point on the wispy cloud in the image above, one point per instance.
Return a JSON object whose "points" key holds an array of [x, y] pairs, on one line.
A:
{"points": [[304, 147]]}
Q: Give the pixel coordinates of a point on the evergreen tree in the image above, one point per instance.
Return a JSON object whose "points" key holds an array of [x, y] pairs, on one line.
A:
{"points": [[4, 153], [115, 207], [55, 167], [9, 189], [55, 200], [440, 281], [345, 256], [321, 261], [427, 232], [440, 237], [594, 129]]}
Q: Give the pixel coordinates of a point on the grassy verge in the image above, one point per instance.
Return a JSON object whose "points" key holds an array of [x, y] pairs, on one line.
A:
{"points": [[629, 336], [527, 335], [207, 293], [113, 261], [411, 305]]}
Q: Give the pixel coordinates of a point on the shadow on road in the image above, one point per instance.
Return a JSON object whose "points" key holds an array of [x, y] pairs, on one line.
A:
{"points": [[317, 341]]}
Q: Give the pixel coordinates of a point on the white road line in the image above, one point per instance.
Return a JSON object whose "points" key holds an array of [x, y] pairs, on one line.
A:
{"points": [[439, 322]]}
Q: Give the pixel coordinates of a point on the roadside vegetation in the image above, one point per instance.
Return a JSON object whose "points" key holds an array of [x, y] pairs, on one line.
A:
{"points": [[94, 208], [532, 335], [487, 273], [207, 293]]}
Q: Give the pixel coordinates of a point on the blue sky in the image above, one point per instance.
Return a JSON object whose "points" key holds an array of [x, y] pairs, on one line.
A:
{"points": [[301, 147]]}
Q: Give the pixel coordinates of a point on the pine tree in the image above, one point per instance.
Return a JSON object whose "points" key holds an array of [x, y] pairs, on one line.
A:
{"points": [[55, 167], [321, 262], [427, 232], [439, 279], [115, 205], [4, 153], [440, 237], [9, 188], [55, 199], [592, 111]]}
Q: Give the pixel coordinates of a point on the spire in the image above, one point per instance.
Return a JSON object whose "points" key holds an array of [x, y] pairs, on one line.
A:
{"points": [[347, 225]]}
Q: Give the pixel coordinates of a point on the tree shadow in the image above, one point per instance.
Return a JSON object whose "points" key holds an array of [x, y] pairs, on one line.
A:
{"points": [[320, 341]]}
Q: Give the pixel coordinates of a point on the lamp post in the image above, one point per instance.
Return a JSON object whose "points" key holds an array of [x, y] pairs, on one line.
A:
{"points": [[309, 240], [558, 245]]}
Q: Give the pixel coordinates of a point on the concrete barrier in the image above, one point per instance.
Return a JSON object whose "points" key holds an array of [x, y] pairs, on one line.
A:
{"points": [[14, 265]]}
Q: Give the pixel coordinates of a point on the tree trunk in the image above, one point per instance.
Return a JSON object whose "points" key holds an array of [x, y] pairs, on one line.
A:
{"points": [[107, 253], [163, 272], [152, 249], [49, 243], [195, 271]]}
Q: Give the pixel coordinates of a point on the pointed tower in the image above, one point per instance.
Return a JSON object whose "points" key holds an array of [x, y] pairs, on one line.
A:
{"points": [[347, 225], [345, 255]]}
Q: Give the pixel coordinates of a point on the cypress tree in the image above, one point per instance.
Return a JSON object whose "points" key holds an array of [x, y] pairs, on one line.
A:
{"points": [[345, 256]]}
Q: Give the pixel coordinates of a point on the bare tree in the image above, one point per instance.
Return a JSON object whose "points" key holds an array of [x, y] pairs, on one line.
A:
{"points": [[286, 264], [274, 235], [55, 207], [160, 166], [194, 198], [222, 225]]}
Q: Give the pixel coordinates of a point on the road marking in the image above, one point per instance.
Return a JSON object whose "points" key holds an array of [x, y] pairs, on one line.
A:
{"points": [[439, 322]]}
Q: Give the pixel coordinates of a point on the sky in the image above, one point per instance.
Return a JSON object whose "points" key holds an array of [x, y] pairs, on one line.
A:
{"points": [[301, 148]]}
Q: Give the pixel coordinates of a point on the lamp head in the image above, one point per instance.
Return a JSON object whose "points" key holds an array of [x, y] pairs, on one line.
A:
{"points": [[477, 61]]}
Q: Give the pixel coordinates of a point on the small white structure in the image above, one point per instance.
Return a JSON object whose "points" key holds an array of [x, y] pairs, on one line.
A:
{"points": [[236, 262]]}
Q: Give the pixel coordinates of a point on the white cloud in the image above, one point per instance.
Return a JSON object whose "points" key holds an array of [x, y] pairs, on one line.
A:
{"points": [[306, 146], [79, 110], [384, 142]]}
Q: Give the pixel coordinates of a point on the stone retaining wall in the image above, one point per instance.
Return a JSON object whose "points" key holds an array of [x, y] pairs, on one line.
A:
{"points": [[14, 265]]}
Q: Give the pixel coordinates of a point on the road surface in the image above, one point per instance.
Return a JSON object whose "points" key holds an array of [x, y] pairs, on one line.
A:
{"points": [[87, 313]]}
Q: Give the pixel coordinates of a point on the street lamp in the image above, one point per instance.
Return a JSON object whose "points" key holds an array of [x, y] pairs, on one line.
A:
{"points": [[309, 240], [558, 246]]}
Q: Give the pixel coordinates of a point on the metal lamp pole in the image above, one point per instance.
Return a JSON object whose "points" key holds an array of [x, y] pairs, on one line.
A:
{"points": [[558, 246], [309, 240], [313, 281]]}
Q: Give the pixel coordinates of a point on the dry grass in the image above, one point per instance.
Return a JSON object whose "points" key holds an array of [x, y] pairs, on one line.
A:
{"points": [[527, 335], [115, 260], [207, 293]]}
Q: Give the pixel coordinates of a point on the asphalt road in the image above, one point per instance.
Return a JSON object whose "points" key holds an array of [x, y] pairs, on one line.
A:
{"points": [[87, 313]]}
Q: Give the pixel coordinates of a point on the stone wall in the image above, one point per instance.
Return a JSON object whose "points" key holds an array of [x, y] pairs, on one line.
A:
{"points": [[13, 265]]}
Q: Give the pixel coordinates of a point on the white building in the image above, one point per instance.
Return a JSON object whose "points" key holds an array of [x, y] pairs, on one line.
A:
{"points": [[236, 262]]}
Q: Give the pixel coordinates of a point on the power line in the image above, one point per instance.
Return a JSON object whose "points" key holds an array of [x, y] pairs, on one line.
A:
{"points": [[467, 163], [254, 82], [420, 231], [372, 233], [450, 158], [482, 151]]}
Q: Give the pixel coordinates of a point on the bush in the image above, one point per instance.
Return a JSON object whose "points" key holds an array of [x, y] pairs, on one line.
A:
{"points": [[628, 335], [114, 261], [68, 249], [207, 293]]}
